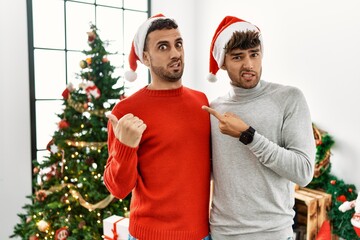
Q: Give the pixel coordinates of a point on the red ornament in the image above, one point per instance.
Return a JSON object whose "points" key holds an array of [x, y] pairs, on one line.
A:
{"points": [[91, 37], [67, 91], [63, 124], [350, 190], [61, 234], [333, 182], [341, 198], [33, 237]]}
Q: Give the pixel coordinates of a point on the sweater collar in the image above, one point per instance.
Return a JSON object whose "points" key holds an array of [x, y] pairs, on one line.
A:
{"points": [[164, 93], [239, 94]]}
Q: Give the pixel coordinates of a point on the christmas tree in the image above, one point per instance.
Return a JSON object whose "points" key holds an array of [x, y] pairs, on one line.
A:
{"points": [[70, 199]]}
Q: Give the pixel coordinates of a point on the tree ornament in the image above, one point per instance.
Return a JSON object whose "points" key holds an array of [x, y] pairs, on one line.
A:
{"points": [[43, 225], [105, 60], [41, 195], [83, 64], [350, 190], [69, 88], [36, 170], [61, 234], [88, 61], [333, 182], [91, 37], [63, 124], [341, 198]]}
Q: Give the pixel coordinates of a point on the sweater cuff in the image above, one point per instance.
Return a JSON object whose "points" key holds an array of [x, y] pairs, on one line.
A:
{"points": [[122, 151], [256, 139]]}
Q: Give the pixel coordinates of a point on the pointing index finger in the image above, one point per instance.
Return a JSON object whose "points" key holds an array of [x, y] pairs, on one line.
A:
{"points": [[212, 112]]}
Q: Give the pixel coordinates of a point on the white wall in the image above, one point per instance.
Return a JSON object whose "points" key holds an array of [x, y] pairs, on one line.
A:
{"points": [[313, 45], [15, 156]]}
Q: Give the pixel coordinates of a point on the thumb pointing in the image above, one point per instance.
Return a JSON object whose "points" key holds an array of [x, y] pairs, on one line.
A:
{"points": [[113, 119]]}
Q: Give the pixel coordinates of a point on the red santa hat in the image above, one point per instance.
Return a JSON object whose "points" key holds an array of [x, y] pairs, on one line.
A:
{"points": [[221, 37], [137, 47]]}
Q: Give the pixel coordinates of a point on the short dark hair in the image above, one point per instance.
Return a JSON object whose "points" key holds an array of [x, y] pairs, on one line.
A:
{"points": [[159, 24], [243, 40]]}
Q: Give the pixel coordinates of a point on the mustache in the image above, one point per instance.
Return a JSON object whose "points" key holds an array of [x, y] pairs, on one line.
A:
{"points": [[173, 61], [247, 71]]}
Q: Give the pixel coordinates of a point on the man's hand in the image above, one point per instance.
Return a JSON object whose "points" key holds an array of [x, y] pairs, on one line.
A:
{"points": [[128, 129], [229, 123]]}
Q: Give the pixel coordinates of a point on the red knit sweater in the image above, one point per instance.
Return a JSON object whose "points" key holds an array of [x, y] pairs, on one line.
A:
{"points": [[169, 173]]}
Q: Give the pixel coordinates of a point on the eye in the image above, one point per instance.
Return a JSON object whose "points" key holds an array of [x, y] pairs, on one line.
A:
{"points": [[163, 47], [236, 58], [179, 45], [255, 54]]}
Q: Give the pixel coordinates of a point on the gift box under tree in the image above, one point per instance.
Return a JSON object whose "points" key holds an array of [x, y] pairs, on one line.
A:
{"points": [[116, 228]]}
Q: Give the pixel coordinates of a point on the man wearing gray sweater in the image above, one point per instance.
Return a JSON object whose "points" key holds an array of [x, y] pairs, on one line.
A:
{"points": [[262, 142]]}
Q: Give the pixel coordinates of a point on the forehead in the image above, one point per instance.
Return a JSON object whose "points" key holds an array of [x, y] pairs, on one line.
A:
{"points": [[163, 35]]}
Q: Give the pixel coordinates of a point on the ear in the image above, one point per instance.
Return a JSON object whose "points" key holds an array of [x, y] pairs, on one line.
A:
{"points": [[223, 67], [146, 59]]}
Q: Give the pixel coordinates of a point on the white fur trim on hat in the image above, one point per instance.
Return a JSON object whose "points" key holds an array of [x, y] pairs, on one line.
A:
{"points": [[137, 47]]}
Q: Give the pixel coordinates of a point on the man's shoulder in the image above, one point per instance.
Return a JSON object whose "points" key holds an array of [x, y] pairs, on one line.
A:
{"points": [[283, 89], [194, 92]]}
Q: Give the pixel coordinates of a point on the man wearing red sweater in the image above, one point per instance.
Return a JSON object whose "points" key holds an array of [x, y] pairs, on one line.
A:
{"points": [[159, 143]]}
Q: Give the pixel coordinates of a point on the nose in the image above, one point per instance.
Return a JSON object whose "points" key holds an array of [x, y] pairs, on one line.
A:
{"points": [[248, 63], [175, 52]]}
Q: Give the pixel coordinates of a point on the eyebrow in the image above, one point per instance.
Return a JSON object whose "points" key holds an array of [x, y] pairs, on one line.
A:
{"points": [[242, 52], [167, 42]]}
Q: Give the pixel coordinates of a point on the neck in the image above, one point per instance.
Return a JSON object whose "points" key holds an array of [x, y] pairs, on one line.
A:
{"points": [[164, 85]]}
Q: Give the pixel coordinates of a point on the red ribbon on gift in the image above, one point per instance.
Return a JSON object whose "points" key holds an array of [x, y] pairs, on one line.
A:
{"points": [[115, 235]]}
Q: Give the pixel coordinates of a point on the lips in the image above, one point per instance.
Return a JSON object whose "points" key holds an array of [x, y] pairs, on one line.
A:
{"points": [[248, 75], [176, 64]]}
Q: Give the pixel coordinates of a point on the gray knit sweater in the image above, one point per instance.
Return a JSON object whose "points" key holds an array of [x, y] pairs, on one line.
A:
{"points": [[253, 194]]}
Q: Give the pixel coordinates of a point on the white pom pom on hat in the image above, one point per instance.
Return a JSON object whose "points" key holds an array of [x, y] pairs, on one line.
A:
{"points": [[221, 37], [137, 47]]}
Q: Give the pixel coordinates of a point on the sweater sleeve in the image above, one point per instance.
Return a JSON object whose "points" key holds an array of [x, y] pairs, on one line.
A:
{"points": [[294, 156], [120, 173]]}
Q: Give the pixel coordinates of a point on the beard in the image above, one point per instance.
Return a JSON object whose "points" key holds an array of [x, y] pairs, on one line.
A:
{"points": [[167, 75]]}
